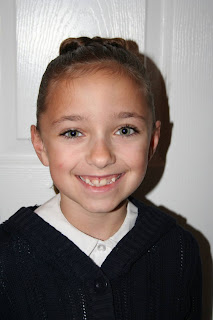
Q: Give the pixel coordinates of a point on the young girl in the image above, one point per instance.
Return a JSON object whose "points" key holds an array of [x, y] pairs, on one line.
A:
{"points": [[92, 251]]}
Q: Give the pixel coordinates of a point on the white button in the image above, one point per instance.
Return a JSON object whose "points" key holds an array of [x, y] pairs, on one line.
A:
{"points": [[101, 247]]}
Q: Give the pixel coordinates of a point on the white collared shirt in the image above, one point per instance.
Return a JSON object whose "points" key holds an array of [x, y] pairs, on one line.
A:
{"points": [[96, 249]]}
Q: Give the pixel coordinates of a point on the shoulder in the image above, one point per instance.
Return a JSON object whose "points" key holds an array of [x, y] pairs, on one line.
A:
{"points": [[167, 226], [9, 228], [15, 241]]}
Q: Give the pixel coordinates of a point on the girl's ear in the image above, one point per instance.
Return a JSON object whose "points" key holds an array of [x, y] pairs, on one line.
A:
{"points": [[154, 139], [39, 146]]}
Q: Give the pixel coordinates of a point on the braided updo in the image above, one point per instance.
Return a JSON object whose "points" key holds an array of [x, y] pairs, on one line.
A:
{"points": [[79, 56]]}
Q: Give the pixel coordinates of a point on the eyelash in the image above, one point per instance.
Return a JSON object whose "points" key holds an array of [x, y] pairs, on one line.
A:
{"points": [[64, 134], [136, 131]]}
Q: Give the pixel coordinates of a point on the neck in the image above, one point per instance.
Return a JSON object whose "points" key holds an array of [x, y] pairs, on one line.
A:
{"points": [[99, 225]]}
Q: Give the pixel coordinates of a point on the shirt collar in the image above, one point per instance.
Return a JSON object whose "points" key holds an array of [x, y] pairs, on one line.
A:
{"points": [[51, 213]]}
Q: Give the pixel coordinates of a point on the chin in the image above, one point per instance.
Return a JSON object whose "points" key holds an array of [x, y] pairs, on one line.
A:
{"points": [[104, 207]]}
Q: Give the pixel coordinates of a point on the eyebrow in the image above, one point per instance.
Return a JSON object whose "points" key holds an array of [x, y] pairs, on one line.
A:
{"points": [[125, 115], [120, 115], [73, 117]]}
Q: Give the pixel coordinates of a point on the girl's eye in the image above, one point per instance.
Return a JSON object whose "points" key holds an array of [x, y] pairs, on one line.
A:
{"points": [[126, 131], [72, 134]]}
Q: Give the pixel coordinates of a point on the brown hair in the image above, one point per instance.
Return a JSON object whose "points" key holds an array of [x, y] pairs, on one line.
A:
{"points": [[78, 56]]}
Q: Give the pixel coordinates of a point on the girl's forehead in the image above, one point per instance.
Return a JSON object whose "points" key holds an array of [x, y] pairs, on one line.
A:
{"points": [[92, 81], [101, 88], [100, 71], [95, 98]]}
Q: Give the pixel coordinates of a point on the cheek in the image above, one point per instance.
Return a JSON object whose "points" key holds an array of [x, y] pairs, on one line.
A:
{"points": [[60, 165], [136, 156], [63, 159]]}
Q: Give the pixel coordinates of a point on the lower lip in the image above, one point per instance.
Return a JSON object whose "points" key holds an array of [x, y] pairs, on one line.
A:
{"points": [[105, 188]]}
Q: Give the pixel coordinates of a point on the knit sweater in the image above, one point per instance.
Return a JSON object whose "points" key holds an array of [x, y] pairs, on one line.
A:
{"points": [[153, 272]]}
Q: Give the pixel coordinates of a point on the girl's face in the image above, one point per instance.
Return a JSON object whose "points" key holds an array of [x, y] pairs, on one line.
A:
{"points": [[96, 136]]}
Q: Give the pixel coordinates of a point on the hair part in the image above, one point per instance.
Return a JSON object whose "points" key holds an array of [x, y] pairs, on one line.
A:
{"points": [[81, 56]]}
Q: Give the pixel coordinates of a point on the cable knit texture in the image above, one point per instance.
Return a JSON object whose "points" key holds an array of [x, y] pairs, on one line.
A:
{"points": [[153, 273]]}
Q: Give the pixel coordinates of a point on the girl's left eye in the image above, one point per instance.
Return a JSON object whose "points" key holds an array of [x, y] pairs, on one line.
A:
{"points": [[72, 134], [126, 131]]}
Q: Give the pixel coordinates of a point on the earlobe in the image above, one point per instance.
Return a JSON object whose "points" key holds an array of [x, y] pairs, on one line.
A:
{"points": [[154, 139], [39, 146]]}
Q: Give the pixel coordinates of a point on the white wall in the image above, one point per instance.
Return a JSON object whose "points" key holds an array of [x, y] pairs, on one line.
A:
{"points": [[177, 35]]}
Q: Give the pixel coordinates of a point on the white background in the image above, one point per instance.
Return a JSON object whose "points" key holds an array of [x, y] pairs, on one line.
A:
{"points": [[178, 36]]}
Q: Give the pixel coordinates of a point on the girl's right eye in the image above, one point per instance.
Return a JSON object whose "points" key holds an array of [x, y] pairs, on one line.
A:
{"points": [[71, 134]]}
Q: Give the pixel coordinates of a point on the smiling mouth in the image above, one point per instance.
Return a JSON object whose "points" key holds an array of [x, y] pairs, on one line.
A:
{"points": [[100, 182]]}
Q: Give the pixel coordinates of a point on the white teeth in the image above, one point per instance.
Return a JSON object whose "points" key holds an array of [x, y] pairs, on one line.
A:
{"points": [[103, 182], [95, 182], [99, 183]]}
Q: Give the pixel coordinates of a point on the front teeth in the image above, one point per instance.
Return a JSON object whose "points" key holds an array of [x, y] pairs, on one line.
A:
{"points": [[99, 183]]}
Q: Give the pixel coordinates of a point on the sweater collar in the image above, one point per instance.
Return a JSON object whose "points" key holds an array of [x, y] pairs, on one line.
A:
{"points": [[150, 226], [52, 214]]}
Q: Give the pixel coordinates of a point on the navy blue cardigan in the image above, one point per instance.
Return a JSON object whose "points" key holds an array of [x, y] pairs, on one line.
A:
{"points": [[153, 273]]}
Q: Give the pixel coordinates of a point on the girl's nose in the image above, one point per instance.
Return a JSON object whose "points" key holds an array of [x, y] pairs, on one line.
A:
{"points": [[100, 154]]}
